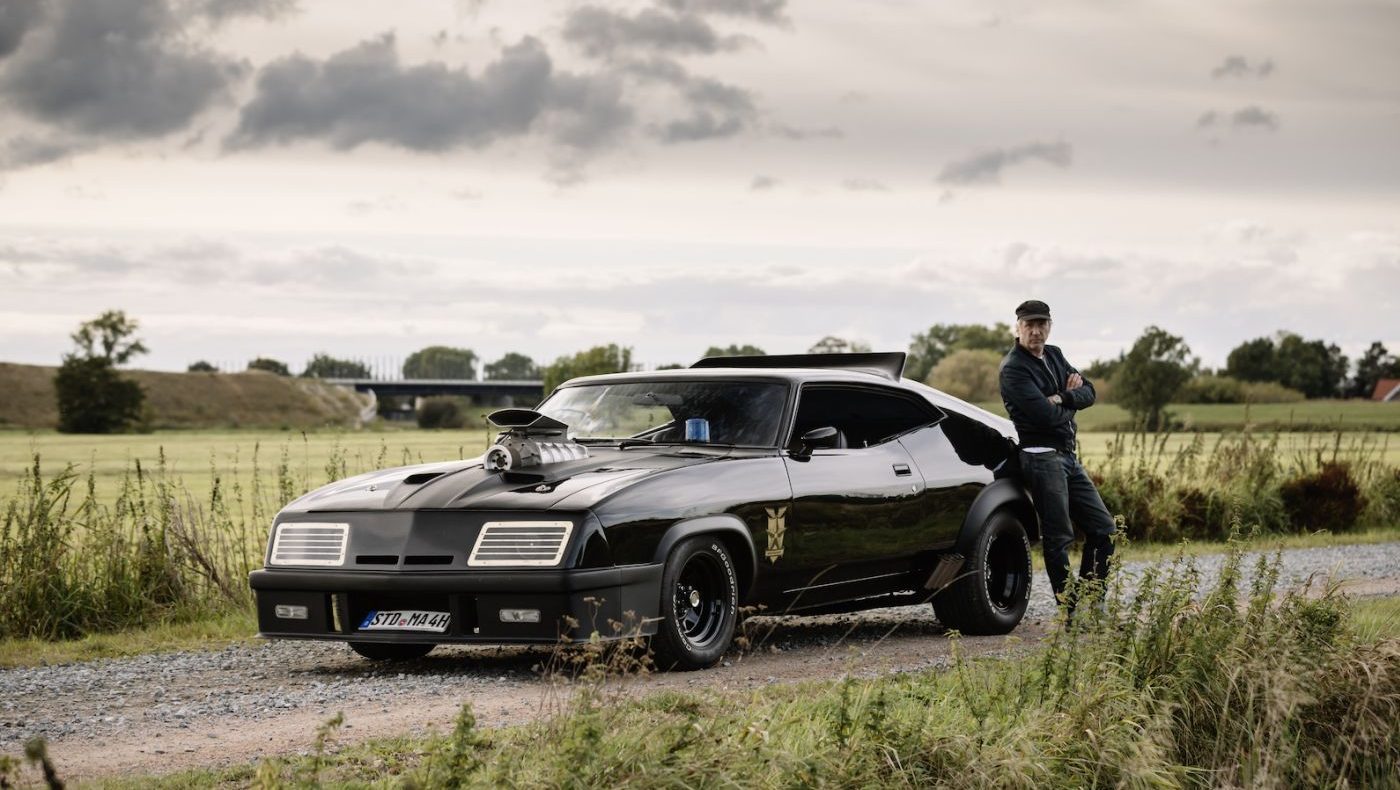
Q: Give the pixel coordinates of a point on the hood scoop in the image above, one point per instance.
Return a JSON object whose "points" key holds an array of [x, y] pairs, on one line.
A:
{"points": [[530, 439]]}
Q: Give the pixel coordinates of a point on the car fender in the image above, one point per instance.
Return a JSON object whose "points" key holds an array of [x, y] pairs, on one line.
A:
{"points": [[1004, 493], [730, 526]]}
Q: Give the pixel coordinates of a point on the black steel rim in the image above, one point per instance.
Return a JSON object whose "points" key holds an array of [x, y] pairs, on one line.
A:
{"points": [[701, 600], [1006, 572]]}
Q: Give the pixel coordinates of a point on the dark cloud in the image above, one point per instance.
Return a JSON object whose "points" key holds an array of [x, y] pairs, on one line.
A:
{"points": [[365, 95], [986, 167], [716, 110], [601, 32], [863, 185], [1251, 117], [1255, 117], [219, 11], [762, 183], [24, 151], [795, 133], [115, 69], [1239, 66], [16, 17], [770, 11]]}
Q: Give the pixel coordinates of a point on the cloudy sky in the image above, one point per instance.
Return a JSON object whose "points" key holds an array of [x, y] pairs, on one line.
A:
{"points": [[286, 177]]}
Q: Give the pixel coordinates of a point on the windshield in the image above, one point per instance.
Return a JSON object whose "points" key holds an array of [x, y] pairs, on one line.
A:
{"points": [[698, 412]]}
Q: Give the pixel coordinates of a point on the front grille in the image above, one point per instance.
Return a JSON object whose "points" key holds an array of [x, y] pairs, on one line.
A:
{"points": [[310, 543], [517, 543]]}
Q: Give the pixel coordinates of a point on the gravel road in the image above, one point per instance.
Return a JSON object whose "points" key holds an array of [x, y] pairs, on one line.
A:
{"points": [[170, 711]]}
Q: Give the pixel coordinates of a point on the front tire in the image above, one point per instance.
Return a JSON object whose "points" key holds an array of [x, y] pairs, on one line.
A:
{"points": [[993, 588], [390, 651], [699, 605]]}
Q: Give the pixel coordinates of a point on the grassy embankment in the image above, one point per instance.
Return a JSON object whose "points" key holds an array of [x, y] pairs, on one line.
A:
{"points": [[1245, 687], [191, 400]]}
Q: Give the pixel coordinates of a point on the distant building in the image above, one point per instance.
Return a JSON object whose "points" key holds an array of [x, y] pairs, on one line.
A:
{"points": [[1387, 390]]}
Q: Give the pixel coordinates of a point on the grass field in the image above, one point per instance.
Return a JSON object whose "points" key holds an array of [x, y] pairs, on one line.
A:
{"points": [[197, 457], [1313, 415]]}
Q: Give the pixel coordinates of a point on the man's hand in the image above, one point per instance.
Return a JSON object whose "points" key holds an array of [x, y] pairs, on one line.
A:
{"points": [[1074, 382], [1056, 399]]}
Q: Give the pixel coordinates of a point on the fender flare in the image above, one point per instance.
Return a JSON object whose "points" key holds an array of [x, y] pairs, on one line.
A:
{"points": [[727, 525], [1004, 493]]}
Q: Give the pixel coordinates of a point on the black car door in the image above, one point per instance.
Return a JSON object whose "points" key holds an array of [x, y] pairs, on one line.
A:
{"points": [[853, 526]]}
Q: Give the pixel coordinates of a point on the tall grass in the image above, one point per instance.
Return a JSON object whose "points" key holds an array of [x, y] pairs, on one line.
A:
{"points": [[74, 562], [1197, 490], [1241, 686]]}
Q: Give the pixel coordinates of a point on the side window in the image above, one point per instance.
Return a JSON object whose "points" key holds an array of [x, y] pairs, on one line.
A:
{"points": [[864, 417]]}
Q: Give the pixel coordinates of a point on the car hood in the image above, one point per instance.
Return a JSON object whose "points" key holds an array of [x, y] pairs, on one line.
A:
{"points": [[466, 484]]}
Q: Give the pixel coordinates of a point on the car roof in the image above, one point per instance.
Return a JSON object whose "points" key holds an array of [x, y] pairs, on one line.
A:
{"points": [[804, 376]]}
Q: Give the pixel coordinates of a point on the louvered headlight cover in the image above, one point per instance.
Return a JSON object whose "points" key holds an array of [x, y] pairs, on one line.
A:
{"points": [[520, 544]]}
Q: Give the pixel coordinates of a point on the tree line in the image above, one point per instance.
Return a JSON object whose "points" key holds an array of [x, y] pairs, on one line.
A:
{"points": [[961, 359]]}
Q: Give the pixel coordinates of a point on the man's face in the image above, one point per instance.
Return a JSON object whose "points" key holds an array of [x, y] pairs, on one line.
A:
{"points": [[1033, 334]]}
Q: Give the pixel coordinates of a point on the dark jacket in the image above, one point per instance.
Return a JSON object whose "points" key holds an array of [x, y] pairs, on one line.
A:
{"points": [[1027, 383]]}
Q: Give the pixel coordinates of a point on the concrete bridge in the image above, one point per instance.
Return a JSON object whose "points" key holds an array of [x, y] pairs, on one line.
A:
{"points": [[487, 393]]}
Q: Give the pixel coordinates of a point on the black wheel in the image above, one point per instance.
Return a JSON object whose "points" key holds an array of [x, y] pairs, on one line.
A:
{"points": [[994, 586], [390, 651], [699, 605]]}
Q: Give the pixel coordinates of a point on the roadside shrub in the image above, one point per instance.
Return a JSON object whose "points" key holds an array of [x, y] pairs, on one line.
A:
{"points": [[1327, 499], [1383, 499], [442, 412]]}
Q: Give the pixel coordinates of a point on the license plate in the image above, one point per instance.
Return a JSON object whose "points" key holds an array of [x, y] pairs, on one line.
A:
{"points": [[406, 620]]}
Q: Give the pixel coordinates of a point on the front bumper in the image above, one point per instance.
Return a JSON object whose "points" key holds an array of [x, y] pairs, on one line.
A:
{"points": [[574, 604]]}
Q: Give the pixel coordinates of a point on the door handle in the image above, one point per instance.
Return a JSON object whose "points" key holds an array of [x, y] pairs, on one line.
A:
{"points": [[902, 470]]}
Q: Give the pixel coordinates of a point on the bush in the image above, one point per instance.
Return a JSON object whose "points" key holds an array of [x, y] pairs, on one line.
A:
{"points": [[270, 366], [1210, 388], [442, 412], [1270, 392], [1328, 499], [970, 375], [93, 398], [201, 367]]}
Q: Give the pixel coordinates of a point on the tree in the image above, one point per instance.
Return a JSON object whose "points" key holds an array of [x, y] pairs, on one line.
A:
{"points": [[973, 375], [838, 345], [441, 362], [201, 367], [1376, 364], [270, 366], [92, 396], [611, 358], [1253, 360], [110, 336], [1151, 373], [733, 350], [324, 366], [929, 348], [1313, 367], [512, 367]]}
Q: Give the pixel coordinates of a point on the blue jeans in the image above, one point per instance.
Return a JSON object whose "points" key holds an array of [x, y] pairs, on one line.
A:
{"points": [[1066, 498]]}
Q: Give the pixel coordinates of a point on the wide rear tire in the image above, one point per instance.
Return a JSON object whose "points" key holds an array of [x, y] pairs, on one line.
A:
{"points": [[390, 651], [699, 605], [993, 588]]}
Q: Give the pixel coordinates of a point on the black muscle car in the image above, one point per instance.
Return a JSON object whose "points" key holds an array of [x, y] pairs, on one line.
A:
{"points": [[658, 504]]}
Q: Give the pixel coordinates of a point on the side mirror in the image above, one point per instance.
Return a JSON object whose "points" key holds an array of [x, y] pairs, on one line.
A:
{"points": [[817, 437]]}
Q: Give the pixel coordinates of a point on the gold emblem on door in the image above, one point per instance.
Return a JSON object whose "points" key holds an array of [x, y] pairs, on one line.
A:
{"points": [[777, 526]]}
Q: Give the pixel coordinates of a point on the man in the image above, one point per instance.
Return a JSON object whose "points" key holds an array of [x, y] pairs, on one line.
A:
{"points": [[1042, 392]]}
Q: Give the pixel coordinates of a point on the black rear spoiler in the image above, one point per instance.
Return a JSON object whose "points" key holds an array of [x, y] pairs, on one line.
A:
{"points": [[889, 364]]}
